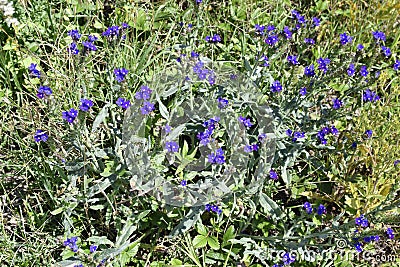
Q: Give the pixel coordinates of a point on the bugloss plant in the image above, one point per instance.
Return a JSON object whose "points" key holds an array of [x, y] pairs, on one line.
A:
{"points": [[253, 158]]}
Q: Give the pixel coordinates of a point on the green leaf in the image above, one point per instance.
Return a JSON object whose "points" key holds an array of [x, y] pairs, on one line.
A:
{"points": [[200, 241], [201, 229], [100, 240], [57, 211], [100, 117], [229, 234], [270, 206], [213, 242]]}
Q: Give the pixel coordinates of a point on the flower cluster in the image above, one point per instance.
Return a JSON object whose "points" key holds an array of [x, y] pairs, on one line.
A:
{"points": [[43, 91], [325, 131], [364, 71], [351, 70], [222, 103], [71, 243], [250, 148], [379, 36], [292, 59], [203, 73], [321, 208], [213, 208], [368, 133], [276, 87], [217, 157], [120, 74], [245, 122], [345, 39], [287, 259], [337, 103], [309, 70], [114, 32], [214, 39], [370, 96], [86, 104], [172, 147], [390, 233], [206, 136], [88, 45], [123, 103], [33, 71], [295, 135], [70, 115], [362, 221], [323, 64], [40, 136]]}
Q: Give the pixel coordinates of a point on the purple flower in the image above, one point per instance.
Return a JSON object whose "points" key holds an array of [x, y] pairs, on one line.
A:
{"points": [[86, 104], [270, 28], [360, 47], [172, 146], [123, 103], [93, 248], [321, 209], [292, 60], [261, 137], [43, 91], [303, 91], [73, 48], [89, 46], [259, 29], [183, 183], [289, 132], [345, 39], [124, 25], [288, 259], [144, 93], [217, 157], [309, 71], [358, 247], [396, 162], [222, 103], [390, 233], [362, 221], [92, 38], [167, 128], [379, 36], [370, 96], [309, 41], [147, 108], [337, 103], [70, 115], [287, 32], [120, 74], [272, 40], [75, 35], [307, 207], [245, 122], [40, 136], [368, 133], [316, 21], [323, 64], [363, 71], [396, 65], [276, 87], [111, 32], [351, 70], [71, 243], [193, 54], [273, 175], [250, 148], [33, 71], [215, 39], [386, 51]]}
